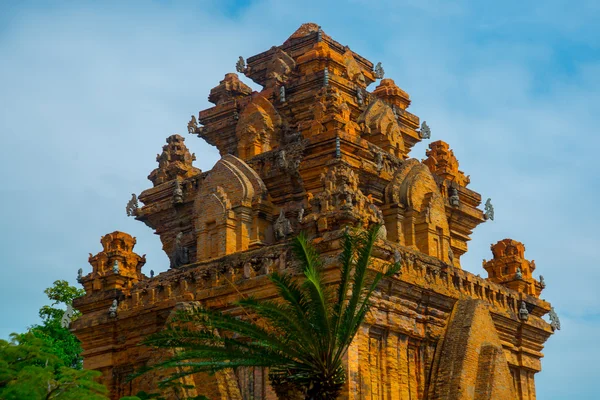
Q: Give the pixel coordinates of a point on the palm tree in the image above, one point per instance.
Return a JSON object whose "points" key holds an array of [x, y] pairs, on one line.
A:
{"points": [[302, 337]]}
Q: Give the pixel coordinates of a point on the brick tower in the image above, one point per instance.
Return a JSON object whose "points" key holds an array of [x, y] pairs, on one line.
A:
{"points": [[316, 151]]}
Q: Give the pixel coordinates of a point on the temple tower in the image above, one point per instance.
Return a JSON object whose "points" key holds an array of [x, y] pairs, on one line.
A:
{"points": [[315, 150]]}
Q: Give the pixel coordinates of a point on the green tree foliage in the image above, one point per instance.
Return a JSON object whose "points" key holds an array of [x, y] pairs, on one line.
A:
{"points": [[301, 337], [29, 369], [60, 341]]}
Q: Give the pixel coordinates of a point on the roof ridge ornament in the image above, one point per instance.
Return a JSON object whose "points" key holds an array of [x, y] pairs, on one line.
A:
{"points": [[489, 210], [240, 65], [379, 71], [425, 132]]}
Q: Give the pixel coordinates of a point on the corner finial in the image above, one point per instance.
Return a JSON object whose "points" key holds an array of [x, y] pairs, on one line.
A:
{"points": [[132, 206], [379, 72], [425, 132], [489, 210], [240, 66]]}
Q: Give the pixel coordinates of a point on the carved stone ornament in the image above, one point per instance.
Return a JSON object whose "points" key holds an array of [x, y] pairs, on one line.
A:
{"points": [[132, 206], [151, 273], [489, 210], [193, 127], [326, 78], [542, 282], [115, 267], [79, 275], [65, 321], [379, 72], [283, 227], [282, 94], [397, 257], [378, 161], [523, 312], [519, 274], [454, 199], [240, 65], [360, 99], [180, 254], [177, 193], [112, 311], [425, 132], [554, 320]]}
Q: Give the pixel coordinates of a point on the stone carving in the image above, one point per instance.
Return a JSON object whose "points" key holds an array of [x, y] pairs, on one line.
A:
{"points": [[359, 97], [489, 210], [542, 282], [319, 35], [454, 199], [378, 161], [79, 275], [379, 72], [180, 255], [240, 65], [177, 193], [192, 126], [519, 274], [425, 132], [450, 255], [282, 94], [301, 215], [132, 206], [397, 257], [523, 312], [282, 227], [151, 273], [376, 212], [428, 212], [289, 166], [115, 267], [554, 320], [65, 321], [326, 78], [112, 311], [338, 152]]}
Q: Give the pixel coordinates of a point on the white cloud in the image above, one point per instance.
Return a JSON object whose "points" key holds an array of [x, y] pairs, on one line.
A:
{"points": [[90, 94]]}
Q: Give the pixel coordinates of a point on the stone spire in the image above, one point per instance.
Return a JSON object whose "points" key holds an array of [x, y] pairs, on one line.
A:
{"points": [[174, 162], [510, 268], [442, 162], [116, 266], [392, 94]]}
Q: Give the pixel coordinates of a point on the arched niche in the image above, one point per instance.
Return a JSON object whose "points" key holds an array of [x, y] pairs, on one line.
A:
{"points": [[381, 128], [415, 213], [233, 211], [256, 128]]}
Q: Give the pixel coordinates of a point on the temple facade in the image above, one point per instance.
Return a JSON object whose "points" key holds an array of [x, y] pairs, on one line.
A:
{"points": [[315, 150]]}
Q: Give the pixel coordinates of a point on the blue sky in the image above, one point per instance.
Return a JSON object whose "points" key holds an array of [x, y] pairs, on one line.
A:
{"points": [[90, 90]]}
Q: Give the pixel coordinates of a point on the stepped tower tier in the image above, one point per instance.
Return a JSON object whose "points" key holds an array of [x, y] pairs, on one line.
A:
{"points": [[510, 268], [315, 150]]}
